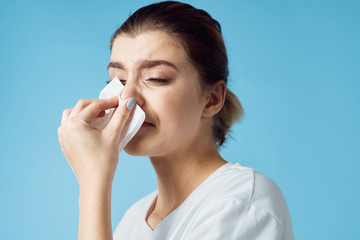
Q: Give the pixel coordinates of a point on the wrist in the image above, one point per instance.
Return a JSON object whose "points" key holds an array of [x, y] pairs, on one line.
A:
{"points": [[96, 184], [94, 194]]}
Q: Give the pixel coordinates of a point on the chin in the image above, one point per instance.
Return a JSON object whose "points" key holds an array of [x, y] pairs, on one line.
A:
{"points": [[136, 147], [135, 152]]}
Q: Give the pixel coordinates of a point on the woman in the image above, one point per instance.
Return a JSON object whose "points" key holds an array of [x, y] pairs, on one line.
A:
{"points": [[172, 60]]}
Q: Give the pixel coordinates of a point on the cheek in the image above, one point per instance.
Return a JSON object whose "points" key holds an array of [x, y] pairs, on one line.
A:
{"points": [[180, 108]]}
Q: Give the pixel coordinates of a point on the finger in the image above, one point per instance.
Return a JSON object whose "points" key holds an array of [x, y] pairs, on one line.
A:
{"points": [[80, 105], [96, 108], [119, 118], [65, 115]]}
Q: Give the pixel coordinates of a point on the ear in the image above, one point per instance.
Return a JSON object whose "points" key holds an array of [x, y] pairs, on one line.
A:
{"points": [[215, 99]]}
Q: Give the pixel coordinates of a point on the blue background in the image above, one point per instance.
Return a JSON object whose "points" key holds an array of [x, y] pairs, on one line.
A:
{"points": [[294, 66]]}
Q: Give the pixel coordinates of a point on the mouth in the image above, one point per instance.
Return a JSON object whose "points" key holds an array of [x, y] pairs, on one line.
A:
{"points": [[147, 124]]}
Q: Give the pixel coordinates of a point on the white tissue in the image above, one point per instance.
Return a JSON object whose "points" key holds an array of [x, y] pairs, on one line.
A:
{"points": [[134, 122]]}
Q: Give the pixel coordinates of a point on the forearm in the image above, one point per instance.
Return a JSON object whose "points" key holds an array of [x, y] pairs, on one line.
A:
{"points": [[95, 212]]}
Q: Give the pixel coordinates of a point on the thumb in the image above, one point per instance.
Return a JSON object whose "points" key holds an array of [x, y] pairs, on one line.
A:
{"points": [[119, 118]]}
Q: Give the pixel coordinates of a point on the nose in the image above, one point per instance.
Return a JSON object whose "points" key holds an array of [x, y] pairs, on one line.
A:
{"points": [[132, 90]]}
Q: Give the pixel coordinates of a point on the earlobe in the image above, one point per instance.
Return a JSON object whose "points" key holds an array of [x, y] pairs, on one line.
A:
{"points": [[216, 99]]}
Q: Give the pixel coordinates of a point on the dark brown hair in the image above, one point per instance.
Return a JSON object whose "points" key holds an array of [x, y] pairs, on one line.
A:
{"points": [[201, 38]]}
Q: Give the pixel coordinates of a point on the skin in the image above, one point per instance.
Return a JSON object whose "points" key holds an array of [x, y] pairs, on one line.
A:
{"points": [[93, 156], [177, 134]]}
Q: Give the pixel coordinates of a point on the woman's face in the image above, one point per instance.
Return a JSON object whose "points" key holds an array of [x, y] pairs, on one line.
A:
{"points": [[155, 70]]}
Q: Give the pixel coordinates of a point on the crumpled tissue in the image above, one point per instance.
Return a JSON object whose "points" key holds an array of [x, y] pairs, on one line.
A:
{"points": [[134, 122]]}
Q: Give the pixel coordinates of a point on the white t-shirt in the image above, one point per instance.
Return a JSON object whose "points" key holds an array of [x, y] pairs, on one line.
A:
{"points": [[234, 202]]}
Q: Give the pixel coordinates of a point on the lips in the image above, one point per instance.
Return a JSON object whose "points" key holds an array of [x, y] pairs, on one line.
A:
{"points": [[147, 124]]}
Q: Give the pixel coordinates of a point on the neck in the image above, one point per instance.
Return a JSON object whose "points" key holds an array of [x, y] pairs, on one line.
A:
{"points": [[179, 174]]}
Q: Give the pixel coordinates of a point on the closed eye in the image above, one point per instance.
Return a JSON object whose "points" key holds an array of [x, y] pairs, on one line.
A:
{"points": [[162, 80]]}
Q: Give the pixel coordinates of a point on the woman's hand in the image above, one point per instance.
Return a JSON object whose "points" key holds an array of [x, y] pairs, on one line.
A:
{"points": [[93, 154]]}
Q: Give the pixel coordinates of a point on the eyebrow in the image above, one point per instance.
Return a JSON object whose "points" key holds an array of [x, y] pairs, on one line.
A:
{"points": [[144, 64]]}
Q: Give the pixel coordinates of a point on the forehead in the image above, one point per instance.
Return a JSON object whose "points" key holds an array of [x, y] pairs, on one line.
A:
{"points": [[153, 45]]}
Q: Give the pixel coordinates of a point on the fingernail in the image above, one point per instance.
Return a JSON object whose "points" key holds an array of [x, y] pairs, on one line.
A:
{"points": [[131, 103]]}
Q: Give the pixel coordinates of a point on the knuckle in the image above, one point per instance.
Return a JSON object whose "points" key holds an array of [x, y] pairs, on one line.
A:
{"points": [[94, 106], [81, 102], [99, 104], [67, 111], [71, 125], [122, 115]]}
